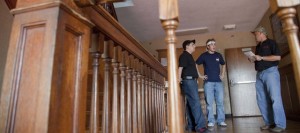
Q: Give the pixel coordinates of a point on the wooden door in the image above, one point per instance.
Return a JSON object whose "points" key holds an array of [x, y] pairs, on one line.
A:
{"points": [[241, 78]]}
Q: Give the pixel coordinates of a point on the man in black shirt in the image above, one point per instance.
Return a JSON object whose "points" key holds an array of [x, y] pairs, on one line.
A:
{"points": [[188, 75], [267, 85]]}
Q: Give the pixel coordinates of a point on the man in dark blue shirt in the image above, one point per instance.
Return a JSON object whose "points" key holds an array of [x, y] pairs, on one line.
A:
{"points": [[268, 92], [188, 75], [213, 86]]}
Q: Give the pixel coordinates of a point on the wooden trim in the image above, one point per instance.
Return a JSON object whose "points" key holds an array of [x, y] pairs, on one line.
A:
{"points": [[11, 4]]}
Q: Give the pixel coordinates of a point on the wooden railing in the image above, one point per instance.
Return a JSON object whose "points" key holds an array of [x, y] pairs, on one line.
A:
{"points": [[73, 68]]}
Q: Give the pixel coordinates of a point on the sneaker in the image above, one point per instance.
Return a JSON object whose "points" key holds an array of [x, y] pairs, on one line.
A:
{"points": [[277, 130], [266, 127], [210, 124], [222, 124]]}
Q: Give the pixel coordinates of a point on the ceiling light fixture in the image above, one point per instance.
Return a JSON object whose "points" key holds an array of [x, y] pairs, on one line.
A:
{"points": [[126, 3], [229, 26], [191, 31]]}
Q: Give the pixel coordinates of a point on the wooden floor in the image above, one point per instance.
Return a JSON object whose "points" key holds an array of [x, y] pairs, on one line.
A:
{"points": [[251, 125]]}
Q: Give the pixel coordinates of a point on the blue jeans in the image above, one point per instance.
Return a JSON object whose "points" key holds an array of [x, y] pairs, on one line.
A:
{"points": [[214, 90], [268, 95], [194, 112]]}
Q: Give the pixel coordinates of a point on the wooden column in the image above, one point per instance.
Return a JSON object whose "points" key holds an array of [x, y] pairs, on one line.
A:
{"points": [[134, 103], [94, 117], [138, 96], [147, 126], [106, 101], [122, 92], [115, 106], [286, 12], [128, 101], [44, 86], [143, 107], [160, 109], [169, 19]]}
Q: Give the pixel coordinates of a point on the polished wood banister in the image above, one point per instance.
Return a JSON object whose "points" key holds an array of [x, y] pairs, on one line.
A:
{"points": [[116, 32], [62, 60]]}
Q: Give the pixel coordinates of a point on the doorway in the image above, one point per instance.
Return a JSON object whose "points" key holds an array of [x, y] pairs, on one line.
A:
{"points": [[241, 78]]}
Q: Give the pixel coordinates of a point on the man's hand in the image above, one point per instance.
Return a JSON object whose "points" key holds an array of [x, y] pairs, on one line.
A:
{"points": [[221, 77], [252, 59], [203, 77], [258, 57]]}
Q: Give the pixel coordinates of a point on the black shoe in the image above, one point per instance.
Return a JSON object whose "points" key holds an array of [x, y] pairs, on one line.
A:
{"points": [[267, 127], [202, 130], [190, 130]]}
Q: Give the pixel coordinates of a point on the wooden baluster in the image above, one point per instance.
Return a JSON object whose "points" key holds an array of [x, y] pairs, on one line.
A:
{"points": [[138, 96], [169, 19], [134, 105], [156, 105], [94, 117], [159, 107], [143, 98], [115, 109], [151, 102], [122, 93], [287, 16], [147, 127], [154, 102], [129, 87], [163, 103], [106, 105]]}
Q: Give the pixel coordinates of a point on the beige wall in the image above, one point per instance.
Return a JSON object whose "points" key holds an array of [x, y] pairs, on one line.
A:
{"points": [[5, 26], [224, 41]]}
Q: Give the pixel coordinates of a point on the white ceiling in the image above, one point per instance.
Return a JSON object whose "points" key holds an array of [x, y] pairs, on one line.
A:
{"points": [[142, 19]]}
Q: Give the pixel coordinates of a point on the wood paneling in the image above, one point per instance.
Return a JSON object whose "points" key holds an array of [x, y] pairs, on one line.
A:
{"points": [[289, 93], [30, 94]]}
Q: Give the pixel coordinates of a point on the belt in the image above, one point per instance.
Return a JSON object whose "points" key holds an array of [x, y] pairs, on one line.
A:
{"points": [[189, 78]]}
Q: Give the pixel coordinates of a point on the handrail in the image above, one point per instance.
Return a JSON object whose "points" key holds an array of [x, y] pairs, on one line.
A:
{"points": [[120, 35]]}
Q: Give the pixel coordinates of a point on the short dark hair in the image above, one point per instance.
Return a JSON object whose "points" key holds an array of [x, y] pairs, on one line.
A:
{"points": [[187, 42], [208, 40]]}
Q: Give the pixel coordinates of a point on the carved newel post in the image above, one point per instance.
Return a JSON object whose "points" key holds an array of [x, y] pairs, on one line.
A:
{"points": [[286, 12], [168, 11]]}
